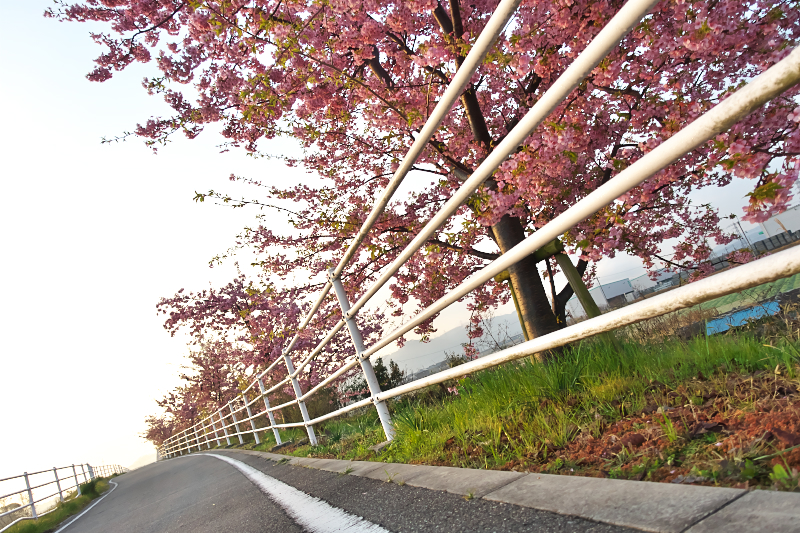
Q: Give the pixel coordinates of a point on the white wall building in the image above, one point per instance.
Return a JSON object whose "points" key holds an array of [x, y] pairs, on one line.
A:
{"points": [[789, 220], [602, 295]]}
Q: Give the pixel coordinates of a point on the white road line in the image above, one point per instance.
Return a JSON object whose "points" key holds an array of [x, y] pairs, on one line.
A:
{"points": [[312, 513], [62, 528]]}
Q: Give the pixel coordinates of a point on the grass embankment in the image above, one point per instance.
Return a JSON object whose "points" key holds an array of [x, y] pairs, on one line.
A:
{"points": [[720, 411], [51, 521]]}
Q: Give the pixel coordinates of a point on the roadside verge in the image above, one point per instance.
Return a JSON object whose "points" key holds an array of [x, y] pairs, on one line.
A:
{"points": [[646, 506]]}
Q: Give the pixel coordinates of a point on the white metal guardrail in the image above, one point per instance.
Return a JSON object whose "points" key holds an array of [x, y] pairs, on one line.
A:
{"points": [[37, 488], [227, 422]]}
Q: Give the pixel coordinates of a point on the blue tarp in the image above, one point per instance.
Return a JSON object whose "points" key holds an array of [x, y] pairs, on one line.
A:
{"points": [[741, 317]]}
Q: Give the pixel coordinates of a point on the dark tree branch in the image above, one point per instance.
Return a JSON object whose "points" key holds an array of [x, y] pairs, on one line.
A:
{"points": [[455, 13], [156, 26], [444, 244], [443, 19], [552, 285], [377, 69], [469, 99], [667, 261], [477, 253]]}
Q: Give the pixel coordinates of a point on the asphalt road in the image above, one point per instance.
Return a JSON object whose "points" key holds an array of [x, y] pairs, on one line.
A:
{"points": [[206, 495]]}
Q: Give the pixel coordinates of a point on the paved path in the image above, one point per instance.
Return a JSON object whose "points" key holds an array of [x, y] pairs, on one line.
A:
{"points": [[191, 494], [204, 494], [246, 491]]}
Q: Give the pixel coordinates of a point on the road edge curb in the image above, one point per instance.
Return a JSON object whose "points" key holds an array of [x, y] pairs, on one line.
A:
{"points": [[656, 507]]}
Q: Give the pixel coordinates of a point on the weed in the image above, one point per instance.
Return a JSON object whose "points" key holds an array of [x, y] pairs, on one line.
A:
{"points": [[783, 479], [668, 428], [525, 415]]}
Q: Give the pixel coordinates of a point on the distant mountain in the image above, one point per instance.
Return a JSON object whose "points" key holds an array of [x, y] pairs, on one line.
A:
{"points": [[143, 461], [417, 355]]}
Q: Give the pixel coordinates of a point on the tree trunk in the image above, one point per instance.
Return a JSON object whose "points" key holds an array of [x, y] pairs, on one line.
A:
{"points": [[536, 314]]}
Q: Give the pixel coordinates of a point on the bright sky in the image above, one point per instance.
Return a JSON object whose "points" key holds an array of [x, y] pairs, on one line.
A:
{"points": [[92, 236]]}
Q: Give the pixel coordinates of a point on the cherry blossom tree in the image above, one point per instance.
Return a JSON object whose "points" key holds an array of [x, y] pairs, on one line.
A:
{"points": [[245, 326], [158, 429], [353, 83]]}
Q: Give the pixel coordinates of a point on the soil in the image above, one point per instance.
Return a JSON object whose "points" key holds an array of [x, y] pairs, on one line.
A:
{"points": [[726, 431], [707, 438]]}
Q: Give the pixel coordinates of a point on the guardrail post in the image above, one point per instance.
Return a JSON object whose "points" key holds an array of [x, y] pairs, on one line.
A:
{"points": [[298, 392], [236, 423], [269, 413], [75, 475], [366, 364], [58, 484], [250, 416], [91, 471], [205, 434], [83, 473], [216, 433], [222, 423], [30, 496], [197, 437]]}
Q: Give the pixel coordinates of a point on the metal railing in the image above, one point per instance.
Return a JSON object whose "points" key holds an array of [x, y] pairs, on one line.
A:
{"points": [[227, 422], [33, 488]]}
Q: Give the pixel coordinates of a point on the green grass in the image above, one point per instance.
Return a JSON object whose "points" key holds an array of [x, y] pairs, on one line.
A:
{"points": [[515, 411], [527, 414], [524, 409], [50, 521]]}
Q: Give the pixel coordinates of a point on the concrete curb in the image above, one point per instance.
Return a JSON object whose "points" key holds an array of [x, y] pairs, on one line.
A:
{"points": [[659, 507]]}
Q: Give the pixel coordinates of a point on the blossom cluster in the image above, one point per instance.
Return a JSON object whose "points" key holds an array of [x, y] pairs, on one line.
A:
{"points": [[353, 83]]}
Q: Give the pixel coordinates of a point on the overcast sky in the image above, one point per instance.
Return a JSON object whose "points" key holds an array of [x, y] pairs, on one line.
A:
{"points": [[93, 235]]}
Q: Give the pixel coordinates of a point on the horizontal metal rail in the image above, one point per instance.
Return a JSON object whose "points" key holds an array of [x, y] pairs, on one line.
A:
{"points": [[777, 79], [502, 14], [771, 268], [74, 478], [765, 87], [627, 18]]}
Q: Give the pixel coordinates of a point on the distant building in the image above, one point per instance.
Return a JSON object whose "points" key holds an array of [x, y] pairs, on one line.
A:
{"points": [[614, 294], [645, 285], [789, 220]]}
